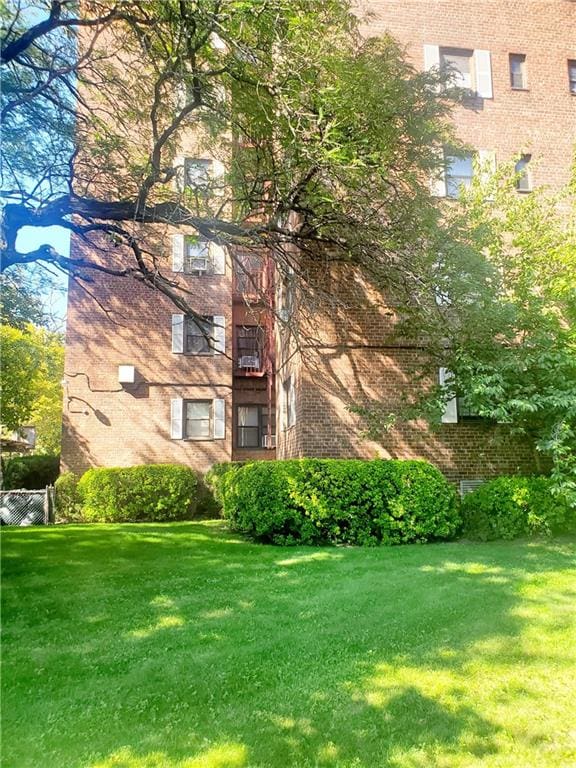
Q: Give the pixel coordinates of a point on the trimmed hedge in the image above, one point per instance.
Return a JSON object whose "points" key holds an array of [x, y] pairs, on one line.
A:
{"points": [[150, 492], [509, 507], [30, 472], [68, 503], [346, 501]]}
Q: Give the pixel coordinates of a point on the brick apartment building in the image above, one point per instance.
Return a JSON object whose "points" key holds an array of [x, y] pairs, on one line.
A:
{"points": [[144, 386]]}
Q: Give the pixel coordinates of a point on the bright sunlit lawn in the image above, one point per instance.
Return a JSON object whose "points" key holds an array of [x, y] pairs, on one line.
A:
{"points": [[181, 646]]}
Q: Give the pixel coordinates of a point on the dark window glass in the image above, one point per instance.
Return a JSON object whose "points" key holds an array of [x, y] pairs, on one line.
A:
{"points": [[523, 181], [198, 336], [572, 75]]}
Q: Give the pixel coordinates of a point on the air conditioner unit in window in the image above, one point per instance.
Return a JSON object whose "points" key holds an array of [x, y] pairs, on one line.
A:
{"points": [[199, 265], [269, 441], [249, 361]]}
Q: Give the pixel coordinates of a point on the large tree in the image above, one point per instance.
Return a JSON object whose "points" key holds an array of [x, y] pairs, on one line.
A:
{"points": [[325, 137]]}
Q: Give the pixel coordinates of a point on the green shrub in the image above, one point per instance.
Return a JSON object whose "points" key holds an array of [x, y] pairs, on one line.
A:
{"points": [[213, 480], [317, 501], [136, 494], [68, 503], [30, 472], [508, 507]]}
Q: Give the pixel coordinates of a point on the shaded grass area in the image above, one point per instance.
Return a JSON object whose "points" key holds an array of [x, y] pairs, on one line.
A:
{"points": [[181, 646]]}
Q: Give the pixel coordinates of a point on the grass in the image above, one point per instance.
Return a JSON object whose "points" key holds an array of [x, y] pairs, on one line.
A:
{"points": [[180, 646]]}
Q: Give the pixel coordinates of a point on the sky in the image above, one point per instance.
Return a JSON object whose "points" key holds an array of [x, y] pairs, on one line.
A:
{"points": [[29, 238]]}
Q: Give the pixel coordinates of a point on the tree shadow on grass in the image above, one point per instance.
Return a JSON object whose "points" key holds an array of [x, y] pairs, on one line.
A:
{"points": [[197, 651]]}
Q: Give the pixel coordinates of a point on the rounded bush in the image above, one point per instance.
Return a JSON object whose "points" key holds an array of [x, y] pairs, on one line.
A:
{"points": [[317, 501], [30, 472], [508, 507], [150, 492]]}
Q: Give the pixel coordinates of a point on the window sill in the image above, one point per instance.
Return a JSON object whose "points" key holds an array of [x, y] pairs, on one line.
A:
{"points": [[522, 90]]}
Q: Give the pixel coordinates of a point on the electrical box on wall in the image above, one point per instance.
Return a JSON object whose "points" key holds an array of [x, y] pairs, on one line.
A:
{"points": [[126, 374]]}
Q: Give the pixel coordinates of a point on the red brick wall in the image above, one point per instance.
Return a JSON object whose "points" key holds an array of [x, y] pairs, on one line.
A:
{"points": [[540, 120], [106, 424]]}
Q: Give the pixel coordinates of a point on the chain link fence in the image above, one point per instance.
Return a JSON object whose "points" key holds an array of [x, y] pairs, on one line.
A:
{"points": [[27, 507]]}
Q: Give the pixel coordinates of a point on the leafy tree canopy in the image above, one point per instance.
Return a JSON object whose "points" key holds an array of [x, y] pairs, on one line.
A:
{"points": [[30, 378], [325, 138]]}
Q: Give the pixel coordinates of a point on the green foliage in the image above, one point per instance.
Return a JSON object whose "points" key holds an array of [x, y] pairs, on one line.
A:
{"points": [[508, 507], [31, 375], [317, 501], [30, 472], [68, 502], [19, 302], [517, 362], [136, 494]]}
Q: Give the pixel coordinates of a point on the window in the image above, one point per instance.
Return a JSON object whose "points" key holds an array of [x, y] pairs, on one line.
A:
{"points": [[198, 336], [249, 346], [470, 69], [248, 274], [197, 174], [196, 255], [289, 402], [459, 63], [252, 426], [518, 71], [287, 293], [572, 75], [523, 180], [198, 420], [465, 411], [459, 172]]}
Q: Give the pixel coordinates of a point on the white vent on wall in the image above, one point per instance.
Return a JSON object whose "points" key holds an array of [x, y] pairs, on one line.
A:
{"points": [[126, 374], [467, 486], [269, 441]]}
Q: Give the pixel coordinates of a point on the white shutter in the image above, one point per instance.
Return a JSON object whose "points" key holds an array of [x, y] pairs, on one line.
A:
{"points": [[487, 161], [438, 178], [483, 74], [218, 258], [177, 253], [431, 56], [450, 415], [178, 180], [219, 333], [219, 418], [218, 171], [177, 333], [177, 418]]}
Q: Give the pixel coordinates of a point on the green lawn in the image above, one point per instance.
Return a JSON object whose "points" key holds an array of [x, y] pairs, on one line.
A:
{"points": [[180, 646]]}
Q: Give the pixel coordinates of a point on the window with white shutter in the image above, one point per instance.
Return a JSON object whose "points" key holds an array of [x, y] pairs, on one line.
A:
{"points": [[198, 419], [469, 69]]}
